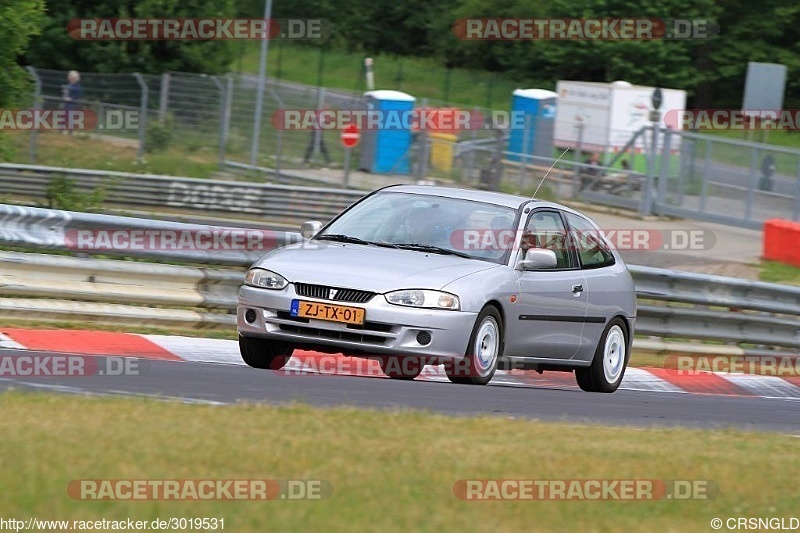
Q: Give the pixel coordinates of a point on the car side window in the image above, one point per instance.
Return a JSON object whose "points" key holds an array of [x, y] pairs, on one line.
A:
{"points": [[545, 229], [592, 249]]}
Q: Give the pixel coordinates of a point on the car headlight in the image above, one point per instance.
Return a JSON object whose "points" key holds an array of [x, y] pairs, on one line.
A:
{"points": [[265, 279], [424, 298]]}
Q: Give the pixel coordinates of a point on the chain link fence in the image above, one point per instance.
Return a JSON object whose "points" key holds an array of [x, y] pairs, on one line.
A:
{"points": [[673, 173]]}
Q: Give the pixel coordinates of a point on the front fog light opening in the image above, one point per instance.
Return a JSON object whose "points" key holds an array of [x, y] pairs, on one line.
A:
{"points": [[250, 316], [424, 338]]}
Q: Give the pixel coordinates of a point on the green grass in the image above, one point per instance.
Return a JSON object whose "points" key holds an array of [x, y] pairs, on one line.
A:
{"points": [[775, 272], [195, 153], [734, 154], [789, 138], [390, 471], [83, 151], [420, 77]]}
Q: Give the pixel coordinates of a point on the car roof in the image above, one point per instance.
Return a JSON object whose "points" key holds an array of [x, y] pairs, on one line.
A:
{"points": [[498, 198]]}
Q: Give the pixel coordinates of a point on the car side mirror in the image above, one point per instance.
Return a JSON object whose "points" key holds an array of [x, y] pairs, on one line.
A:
{"points": [[538, 258], [310, 228]]}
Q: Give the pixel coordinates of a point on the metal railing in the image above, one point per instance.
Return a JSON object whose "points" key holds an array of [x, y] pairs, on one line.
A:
{"points": [[672, 304], [158, 240], [146, 191], [53, 287], [682, 173], [687, 305]]}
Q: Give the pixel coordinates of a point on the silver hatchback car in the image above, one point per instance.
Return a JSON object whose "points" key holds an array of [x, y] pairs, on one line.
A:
{"points": [[473, 280]]}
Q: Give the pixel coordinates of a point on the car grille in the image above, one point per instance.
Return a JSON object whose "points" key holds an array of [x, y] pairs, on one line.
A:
{"points": [[324, 292], [351, 336]]}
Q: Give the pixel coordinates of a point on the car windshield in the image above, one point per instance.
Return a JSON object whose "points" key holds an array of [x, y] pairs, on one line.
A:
{"points": [[427, 223]]}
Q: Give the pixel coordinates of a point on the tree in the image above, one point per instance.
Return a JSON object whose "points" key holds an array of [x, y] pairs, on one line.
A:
{"points": [[668, 63], [57, 50], [19, 21], [766, 32]]}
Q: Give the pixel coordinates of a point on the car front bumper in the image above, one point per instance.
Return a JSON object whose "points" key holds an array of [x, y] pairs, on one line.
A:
{"points": [[389, 329]]}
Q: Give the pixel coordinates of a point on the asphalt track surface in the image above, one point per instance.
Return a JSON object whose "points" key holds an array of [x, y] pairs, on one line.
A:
{"points": [[220, 384]]}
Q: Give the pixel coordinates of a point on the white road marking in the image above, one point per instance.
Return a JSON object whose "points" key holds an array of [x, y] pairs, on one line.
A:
{"points": [[200, 350], [764, 386], [9, 343], [642, 380], [223, 351]]}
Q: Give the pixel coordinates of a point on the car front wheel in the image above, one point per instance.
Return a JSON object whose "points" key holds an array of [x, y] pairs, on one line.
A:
{"points": [[609, 362], [485, 348], [264, 353]]}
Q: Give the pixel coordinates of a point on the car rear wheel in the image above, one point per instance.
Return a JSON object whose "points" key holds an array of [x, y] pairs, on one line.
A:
{"points": [[264, 353], [401, 367], [610, 360], [484, 349]]}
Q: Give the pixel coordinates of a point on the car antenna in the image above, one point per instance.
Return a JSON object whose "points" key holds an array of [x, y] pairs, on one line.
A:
{"points": [[548, 173]]}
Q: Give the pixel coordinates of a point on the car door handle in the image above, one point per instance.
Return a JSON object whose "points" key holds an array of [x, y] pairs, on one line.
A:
{"points": [[577, 288]]}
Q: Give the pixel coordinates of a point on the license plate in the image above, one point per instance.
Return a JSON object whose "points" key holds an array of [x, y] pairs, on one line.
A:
{"points": [[330, 312]]}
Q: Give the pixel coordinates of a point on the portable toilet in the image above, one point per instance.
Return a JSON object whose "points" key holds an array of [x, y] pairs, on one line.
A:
{"points": [[386, 149], [534, 134]]}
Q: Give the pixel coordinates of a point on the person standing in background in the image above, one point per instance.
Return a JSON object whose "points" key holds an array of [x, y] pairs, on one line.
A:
{"points": [[316, 136], [72, 93]]}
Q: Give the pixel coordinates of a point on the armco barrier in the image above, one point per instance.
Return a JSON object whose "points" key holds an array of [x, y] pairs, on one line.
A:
{"points": [[686, 305], [782, 241], [672, 304], [57, 287], [58, 230], [145, 191]]}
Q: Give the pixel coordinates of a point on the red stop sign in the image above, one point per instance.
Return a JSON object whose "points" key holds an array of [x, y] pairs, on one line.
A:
{"points": [[350, 136]]}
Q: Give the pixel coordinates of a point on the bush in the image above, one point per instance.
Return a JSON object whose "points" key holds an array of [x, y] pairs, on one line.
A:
{"points": [[62, 193], [158, 137]]}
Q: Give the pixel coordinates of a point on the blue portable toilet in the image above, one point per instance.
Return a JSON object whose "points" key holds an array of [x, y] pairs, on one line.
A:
{"points": [[538, 108], [386, 150]]}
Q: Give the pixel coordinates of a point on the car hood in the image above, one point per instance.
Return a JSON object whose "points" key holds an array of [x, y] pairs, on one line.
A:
{"points": [[368, 268]]}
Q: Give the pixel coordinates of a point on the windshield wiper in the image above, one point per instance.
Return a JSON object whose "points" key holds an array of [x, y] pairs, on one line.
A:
{"points": [[338, 237], [432, 248], [384, 244]]}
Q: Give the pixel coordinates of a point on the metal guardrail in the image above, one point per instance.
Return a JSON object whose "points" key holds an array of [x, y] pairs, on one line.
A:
{"points": [[672, 304], [62, 287], [274, 201], [53, 287], [687, 305], [88, 233]]}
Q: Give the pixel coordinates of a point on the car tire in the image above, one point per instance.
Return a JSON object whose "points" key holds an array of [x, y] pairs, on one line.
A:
{"points": [[264, 353], [483, 351], [401, 367], [609, 362]]}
